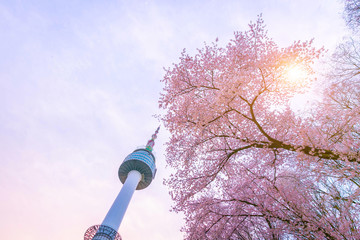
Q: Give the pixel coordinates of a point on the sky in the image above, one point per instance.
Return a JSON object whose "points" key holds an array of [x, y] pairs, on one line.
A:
{"points": [[79, 88]]}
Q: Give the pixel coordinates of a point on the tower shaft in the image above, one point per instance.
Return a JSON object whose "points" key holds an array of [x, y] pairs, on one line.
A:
{"points": [[117, 211]]}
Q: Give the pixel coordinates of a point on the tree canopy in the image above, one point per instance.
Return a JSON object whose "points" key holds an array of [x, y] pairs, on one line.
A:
{"points": [[248, 166], [352, 13]]}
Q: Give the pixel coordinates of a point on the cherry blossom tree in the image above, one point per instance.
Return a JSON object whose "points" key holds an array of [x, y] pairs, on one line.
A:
{"points": [[247, 166]]}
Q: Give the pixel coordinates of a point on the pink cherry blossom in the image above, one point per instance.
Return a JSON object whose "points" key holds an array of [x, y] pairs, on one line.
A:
{"points": [[247, 166]]}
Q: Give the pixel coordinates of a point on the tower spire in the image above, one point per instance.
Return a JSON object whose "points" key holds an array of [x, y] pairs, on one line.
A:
{"points": [[150, 144]]}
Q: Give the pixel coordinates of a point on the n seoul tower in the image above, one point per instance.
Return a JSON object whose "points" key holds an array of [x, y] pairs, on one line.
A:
{"points": [[136, 172]]}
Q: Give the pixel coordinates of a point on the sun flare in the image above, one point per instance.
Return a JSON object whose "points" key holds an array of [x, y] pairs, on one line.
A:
{"points": [[295, 73]]}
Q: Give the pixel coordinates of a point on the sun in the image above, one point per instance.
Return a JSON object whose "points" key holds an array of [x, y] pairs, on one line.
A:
{"points": [[295, 73]]}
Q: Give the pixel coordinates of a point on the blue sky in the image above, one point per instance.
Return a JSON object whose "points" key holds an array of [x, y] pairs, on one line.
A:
{"points": [[79, 85]]}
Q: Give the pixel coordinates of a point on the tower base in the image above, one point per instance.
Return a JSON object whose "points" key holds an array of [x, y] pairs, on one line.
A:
{"points": [[101, 232]]}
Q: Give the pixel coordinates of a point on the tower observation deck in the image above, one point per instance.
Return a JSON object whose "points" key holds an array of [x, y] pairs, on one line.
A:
{"points": [[136, 172]]}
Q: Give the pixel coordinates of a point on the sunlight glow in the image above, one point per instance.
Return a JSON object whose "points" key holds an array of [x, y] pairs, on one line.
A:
{"points": [[295, 73]]}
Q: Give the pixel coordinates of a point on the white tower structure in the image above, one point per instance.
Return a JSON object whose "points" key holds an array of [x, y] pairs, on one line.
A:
{"points": [[136, 173]]}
